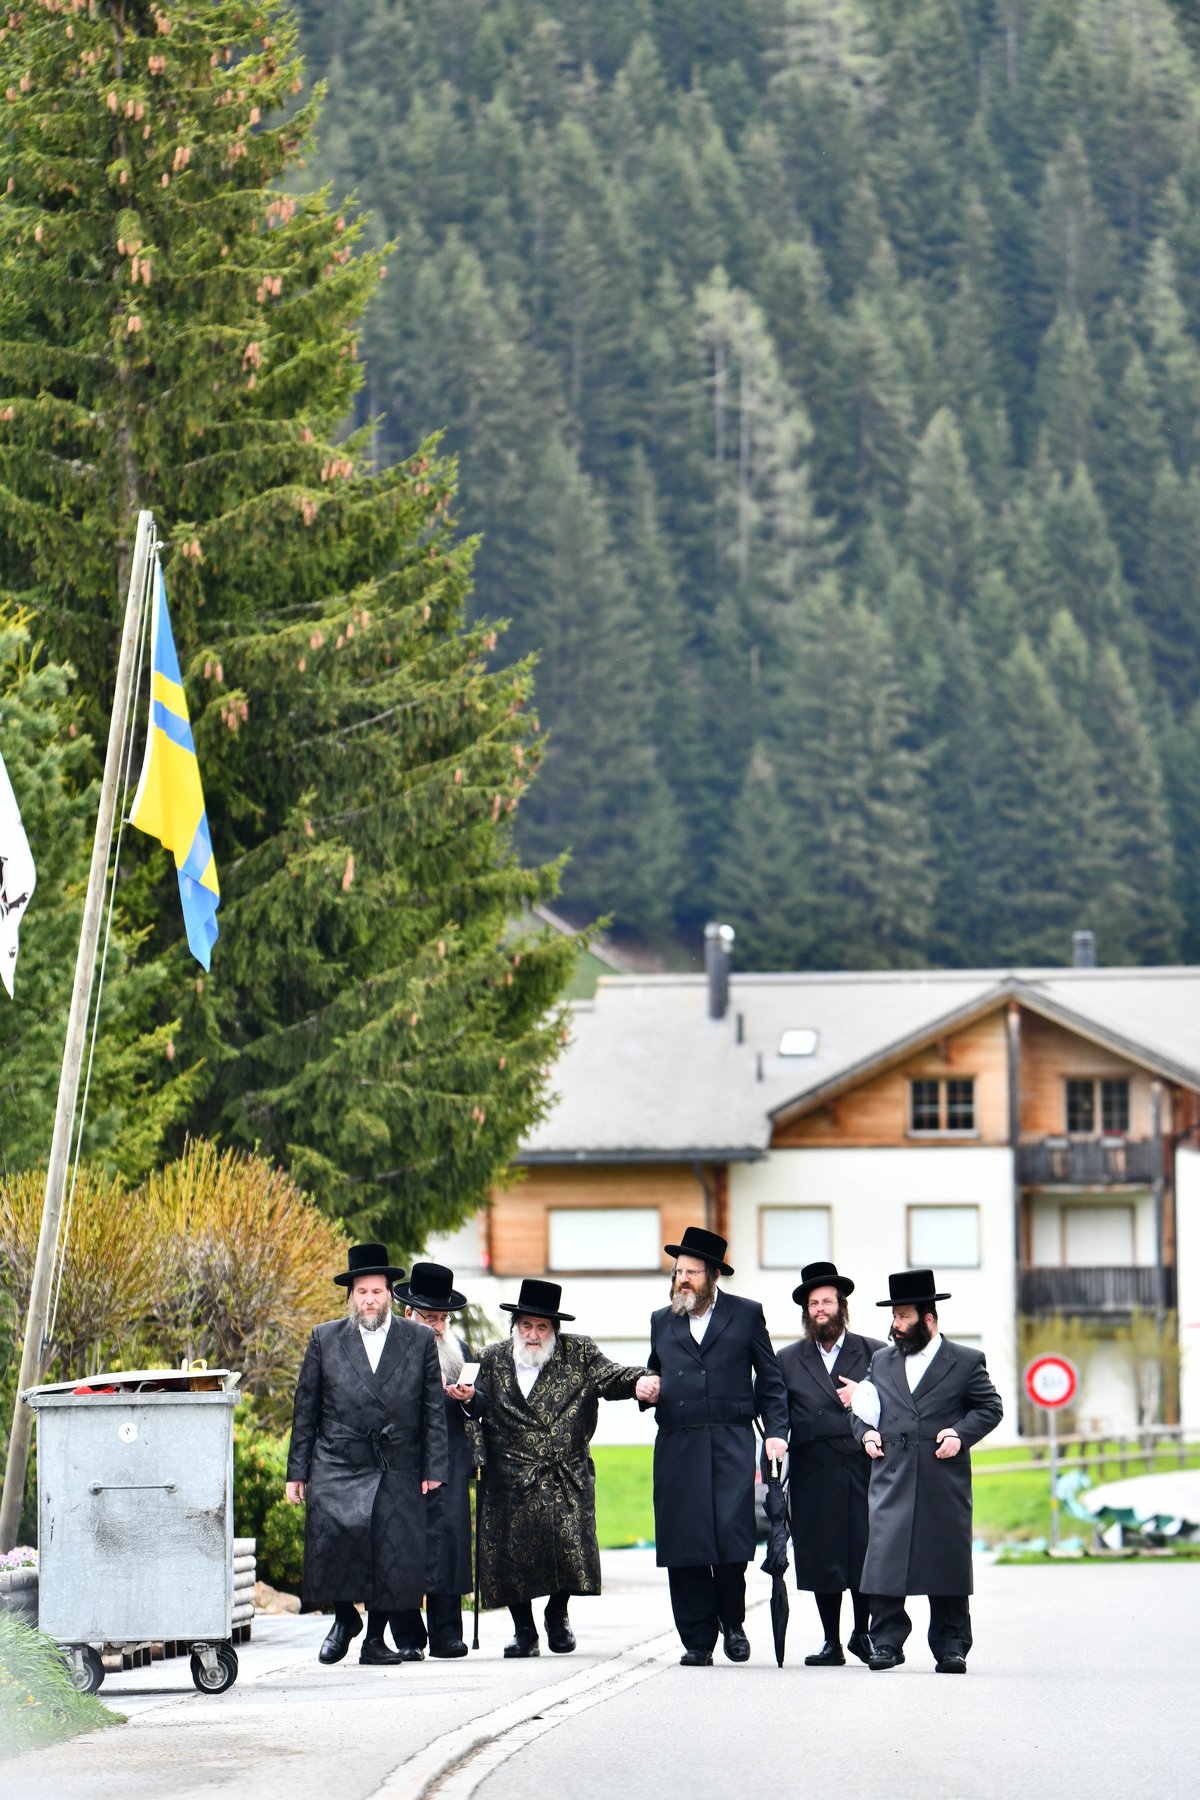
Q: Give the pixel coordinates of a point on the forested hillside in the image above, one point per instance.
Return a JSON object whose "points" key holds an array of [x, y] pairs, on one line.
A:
{"points": [[825, 377]]}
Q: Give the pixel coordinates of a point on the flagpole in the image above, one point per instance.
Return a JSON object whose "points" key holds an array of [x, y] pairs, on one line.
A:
{"points": [[33, 1348]]}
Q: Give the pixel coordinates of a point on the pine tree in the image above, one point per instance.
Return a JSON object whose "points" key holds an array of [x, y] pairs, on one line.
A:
{"points": [[1137, 920], [944, 526], [182, 336]]}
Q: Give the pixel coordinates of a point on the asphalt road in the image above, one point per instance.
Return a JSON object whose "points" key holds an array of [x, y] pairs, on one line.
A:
{"points": [[1082, 1683]]}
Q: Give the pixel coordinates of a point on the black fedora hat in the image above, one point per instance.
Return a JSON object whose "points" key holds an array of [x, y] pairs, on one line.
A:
{"points": [[367, 1259], [821, 1274], [431, 1287], [539, 1299], [912, 1287], [705, 1244]]}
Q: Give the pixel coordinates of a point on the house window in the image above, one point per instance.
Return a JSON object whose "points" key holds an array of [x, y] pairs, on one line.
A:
{"points": [[605, 1238], [943, 1237], [1114, 1107], [790, 1236], [942, 1105], [1103, 1103]]}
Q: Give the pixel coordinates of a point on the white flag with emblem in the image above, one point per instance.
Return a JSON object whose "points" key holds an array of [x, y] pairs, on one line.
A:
{"points": [[17, 877]]}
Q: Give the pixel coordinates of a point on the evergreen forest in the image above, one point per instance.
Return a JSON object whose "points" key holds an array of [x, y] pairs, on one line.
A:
{"points": [[824, 379]]}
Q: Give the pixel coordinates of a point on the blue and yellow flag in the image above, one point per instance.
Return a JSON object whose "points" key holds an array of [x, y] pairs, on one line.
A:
{"points": [[169, 803]]}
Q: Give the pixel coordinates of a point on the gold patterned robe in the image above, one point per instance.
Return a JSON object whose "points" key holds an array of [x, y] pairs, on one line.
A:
{"points": [[537, 1507]]}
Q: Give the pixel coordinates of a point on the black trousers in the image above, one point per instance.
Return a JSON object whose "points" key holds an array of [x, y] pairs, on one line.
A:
{"points": [[830, 1608], [949, 1623], [444, 1612], [704, 1600]]}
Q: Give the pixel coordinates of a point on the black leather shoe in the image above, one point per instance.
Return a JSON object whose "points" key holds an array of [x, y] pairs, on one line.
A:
{"points": [[859, 1644], [737, 1644], [525, 1643], [829, 1656], [696, 1659], [559, 1635], [376, 1651], [885, 1656], [452, 1647], [337, 1640], [953, 1664]]}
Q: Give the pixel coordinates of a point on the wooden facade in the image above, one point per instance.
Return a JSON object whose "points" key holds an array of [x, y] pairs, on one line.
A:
{"points": [[519, 1223]]}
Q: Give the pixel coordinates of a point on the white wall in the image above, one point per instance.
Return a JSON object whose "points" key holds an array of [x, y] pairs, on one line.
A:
{"points": [[1187, 1257], [869, 1192]]}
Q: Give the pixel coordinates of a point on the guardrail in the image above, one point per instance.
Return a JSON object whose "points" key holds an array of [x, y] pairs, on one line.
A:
{"points": [[1155, 1443]]}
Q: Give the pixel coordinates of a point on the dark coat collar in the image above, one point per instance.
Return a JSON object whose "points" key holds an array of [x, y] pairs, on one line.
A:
{"points": [[374, 1380], [681, 1326], [935, 1373]]}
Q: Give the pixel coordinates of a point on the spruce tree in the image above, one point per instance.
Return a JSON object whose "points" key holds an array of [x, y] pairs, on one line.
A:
{"points": [[182, 336]]}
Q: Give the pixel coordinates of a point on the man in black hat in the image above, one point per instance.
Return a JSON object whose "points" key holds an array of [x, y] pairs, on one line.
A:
{"points": [[537, 1401], [925, 1402], [828, 1474], [429, 1296], [712, 1369], [368, 1442]]}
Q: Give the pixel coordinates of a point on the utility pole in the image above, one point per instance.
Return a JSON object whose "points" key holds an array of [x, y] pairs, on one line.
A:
{"points": [[34, 1347]]}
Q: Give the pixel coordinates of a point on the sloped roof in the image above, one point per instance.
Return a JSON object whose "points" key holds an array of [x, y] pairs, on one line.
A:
{"points": [[647, 1075]]}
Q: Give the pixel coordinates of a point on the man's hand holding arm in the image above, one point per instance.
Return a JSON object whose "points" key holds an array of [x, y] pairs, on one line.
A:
{"points": [[865, 1410]]}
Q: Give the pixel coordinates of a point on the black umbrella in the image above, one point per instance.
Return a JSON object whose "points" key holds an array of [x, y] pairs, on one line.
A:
{"points": [[775, 1562], [478, 1480]]}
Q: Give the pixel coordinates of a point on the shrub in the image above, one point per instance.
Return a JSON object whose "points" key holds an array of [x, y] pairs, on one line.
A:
{"points": [[259, 1472], [249, 1260], [281, 1546], [112, 1269], [37, 1702]]}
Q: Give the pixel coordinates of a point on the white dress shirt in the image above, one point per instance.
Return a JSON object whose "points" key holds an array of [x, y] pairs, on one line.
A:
{"points": [[866, 1404], [698, 1323], [373, 1341], [829, 1356]]}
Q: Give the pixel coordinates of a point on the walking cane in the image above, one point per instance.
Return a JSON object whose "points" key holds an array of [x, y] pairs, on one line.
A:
{"points": [[478, 1480]]}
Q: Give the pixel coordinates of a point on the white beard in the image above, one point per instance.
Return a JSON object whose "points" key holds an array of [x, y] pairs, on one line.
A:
{"points": [[533, 1356], [451, 1358], [683, 1304]]}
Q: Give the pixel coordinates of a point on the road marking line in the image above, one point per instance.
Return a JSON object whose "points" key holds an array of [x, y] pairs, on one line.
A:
{"points": [[453, 1765]]}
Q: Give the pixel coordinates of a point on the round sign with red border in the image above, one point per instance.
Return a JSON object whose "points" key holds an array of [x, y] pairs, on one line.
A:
{"points": [[1051, 1381]]}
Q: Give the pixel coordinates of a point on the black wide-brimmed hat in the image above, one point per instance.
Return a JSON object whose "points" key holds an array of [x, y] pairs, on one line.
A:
{"points": [[912, 1287], [539, 1299], [431, 1287], [821, 1274], [705, 1244], [367, 1259]]}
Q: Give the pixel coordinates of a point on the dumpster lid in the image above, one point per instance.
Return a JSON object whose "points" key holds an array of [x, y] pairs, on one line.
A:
{"points": [[196, 1380]]}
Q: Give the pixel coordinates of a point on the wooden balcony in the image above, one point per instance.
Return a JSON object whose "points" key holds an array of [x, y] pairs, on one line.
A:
{"points": [[1098, 1292], [1086, 1163]]}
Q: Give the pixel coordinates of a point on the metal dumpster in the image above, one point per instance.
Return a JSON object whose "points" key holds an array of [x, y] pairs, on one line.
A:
{"points": [[135, 1519]]}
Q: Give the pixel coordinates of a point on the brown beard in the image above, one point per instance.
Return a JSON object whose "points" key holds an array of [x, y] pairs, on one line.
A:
{"points": [[829, 1330], [701, 1297], [366, 1317]]}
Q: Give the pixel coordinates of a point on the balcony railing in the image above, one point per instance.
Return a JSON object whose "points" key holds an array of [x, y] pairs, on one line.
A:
{"points": [[1086, 1162], [1118, 1290]]}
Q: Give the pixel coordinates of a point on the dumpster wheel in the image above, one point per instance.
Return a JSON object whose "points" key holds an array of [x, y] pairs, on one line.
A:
{"points": [[85, 1671], [216, 1681]]}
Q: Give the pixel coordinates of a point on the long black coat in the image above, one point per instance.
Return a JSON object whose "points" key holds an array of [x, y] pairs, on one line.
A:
{"points": [[537, 1505], [364, 1441], [704, 1451], [448, 1510], [920, 1508], [829, 1471]]}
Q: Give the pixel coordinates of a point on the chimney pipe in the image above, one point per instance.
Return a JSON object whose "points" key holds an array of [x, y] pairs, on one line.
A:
{"points": [[1083, 949], [718, 942]]}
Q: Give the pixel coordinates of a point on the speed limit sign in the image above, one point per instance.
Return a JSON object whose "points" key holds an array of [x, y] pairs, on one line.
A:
{"points": [[1051, 1381]]}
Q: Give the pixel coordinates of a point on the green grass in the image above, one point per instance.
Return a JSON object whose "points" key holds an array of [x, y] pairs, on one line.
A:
{"points": [[1008, 1508], [38, 1705], [624, 1501]]}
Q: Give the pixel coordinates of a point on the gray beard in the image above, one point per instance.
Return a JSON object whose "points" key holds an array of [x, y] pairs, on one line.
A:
{"points": [[682, 1305], [451, 1358], [364, 1321], [531, 1356]]}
